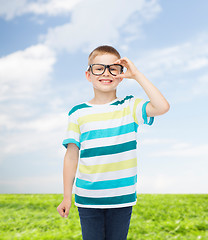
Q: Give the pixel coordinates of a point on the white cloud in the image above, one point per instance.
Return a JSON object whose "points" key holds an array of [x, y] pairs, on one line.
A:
{"points": [[14, 8], [180, 70], [10, 9], [47, 123], [36, 184], [183, 150], [32, 129], [24, 86], [52, 7], [93, 22], [188, 182], [201, 86], [22, 73], [153, 141], [38, 134], [186, 57]]}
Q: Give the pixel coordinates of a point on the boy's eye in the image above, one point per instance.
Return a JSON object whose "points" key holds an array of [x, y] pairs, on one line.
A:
{"points": [[98, 67], [114, 69]]}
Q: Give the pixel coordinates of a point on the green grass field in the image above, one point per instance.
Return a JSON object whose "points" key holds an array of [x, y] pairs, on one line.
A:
{"points": [[156, 216]]}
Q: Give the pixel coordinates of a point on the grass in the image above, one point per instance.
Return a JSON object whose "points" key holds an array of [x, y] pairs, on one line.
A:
{"points": [[155, 217]]}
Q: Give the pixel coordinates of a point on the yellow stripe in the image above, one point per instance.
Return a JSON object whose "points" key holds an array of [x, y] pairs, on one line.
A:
{"points": [[137, 101], [103, 116], [73, 127], [109, 167]]}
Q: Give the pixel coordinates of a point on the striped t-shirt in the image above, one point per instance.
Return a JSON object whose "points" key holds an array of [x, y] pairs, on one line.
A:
{"points": [[106, 135]]}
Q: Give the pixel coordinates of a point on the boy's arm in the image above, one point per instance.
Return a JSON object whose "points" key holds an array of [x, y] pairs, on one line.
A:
{"points": [[158, 104], [69, 170]]}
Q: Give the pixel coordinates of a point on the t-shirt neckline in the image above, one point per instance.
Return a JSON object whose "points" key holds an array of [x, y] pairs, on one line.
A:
{"points": [[100, 105]]}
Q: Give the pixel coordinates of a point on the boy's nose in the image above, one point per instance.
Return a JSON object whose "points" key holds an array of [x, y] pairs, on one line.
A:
{"points": [[106, 72]]}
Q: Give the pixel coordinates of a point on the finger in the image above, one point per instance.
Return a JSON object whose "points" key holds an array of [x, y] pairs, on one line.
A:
{"points": [[124, 64], [117, 61], [66, 212], [60, 211], [120, 76], [121, 60]]}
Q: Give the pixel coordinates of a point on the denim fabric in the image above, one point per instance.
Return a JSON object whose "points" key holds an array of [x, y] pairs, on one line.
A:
{"points": [[105, 224]]}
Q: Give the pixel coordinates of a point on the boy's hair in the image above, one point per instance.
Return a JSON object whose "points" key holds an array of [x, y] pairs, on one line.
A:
{"points": [[105, 49]]}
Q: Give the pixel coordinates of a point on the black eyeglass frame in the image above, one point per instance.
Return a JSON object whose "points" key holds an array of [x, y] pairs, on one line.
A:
{"points": [[105, 66]]}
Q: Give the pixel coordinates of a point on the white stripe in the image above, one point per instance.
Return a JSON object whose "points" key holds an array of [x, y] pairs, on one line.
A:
{"points": [[111, 123], [72, 118], [106, 206], [108, 175], [105, 192], [114, 140], [111, 158], [139, 112], [102, 109], [72, 134]]}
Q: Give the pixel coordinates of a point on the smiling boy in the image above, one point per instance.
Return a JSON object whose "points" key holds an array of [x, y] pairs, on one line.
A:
{"points": [[102, 136]]}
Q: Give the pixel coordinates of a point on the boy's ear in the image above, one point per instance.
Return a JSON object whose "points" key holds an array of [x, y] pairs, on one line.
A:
{"points": [[87, 74]]}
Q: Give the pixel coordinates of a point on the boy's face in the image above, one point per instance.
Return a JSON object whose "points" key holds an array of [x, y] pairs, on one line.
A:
{"points": [[105, 82]]}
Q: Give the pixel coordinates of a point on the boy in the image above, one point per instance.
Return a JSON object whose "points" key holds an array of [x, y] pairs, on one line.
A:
{"points": [[105, 131]]}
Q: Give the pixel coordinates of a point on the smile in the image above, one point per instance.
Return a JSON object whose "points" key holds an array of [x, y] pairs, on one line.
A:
{"points": [[105, 81]]}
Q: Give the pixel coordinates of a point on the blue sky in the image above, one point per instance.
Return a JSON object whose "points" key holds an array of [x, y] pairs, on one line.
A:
{"points": [[43, 56]]}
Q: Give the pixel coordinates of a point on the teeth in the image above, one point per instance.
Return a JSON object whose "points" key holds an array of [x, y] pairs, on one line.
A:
{"points": [[105, 81]]}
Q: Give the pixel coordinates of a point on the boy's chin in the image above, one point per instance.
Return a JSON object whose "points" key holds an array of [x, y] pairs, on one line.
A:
{"points": [[105, 90]]}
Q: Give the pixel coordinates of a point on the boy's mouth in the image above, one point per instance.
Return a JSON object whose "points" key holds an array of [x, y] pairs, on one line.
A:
{"points": [[107, 81]]}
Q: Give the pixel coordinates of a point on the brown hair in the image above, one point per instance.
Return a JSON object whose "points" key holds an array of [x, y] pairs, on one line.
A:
{"points": [[105, 49]]}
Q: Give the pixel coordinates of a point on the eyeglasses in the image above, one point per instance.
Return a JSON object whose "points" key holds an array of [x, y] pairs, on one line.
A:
{"points": [[99, 69]]}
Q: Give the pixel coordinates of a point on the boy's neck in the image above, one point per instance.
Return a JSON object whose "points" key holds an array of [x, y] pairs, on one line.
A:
{"points": [[103, 98]]}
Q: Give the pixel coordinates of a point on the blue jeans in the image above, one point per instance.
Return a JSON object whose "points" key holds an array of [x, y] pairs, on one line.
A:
{"points": [[105, 224]]}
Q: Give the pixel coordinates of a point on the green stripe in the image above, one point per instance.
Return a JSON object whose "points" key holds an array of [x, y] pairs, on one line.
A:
{"points": [[122, 101], [75, 108], [105, 200], [113, 149]]}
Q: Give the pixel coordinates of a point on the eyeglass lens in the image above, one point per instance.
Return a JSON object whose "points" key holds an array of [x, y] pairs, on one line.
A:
{"points": [[99, 69]]}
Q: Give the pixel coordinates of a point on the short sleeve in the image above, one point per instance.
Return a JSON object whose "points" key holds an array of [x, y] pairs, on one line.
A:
{"points": [[138, 110], [73, 130]]}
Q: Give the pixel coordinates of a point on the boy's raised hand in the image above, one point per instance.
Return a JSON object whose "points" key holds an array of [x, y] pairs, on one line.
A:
{"points": [[63, 208], [131, 68]]}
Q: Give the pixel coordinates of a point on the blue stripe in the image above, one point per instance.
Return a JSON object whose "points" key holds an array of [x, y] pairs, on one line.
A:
{"points": [[106, 200], [70, 140], [109, 132], [122, 101], [144, 114], [80, 106], [108, 184], [84, 105], [112, 149]]}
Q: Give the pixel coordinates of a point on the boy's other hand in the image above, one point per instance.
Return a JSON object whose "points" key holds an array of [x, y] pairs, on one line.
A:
{"points": [[131, 71], [63, 208]]}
